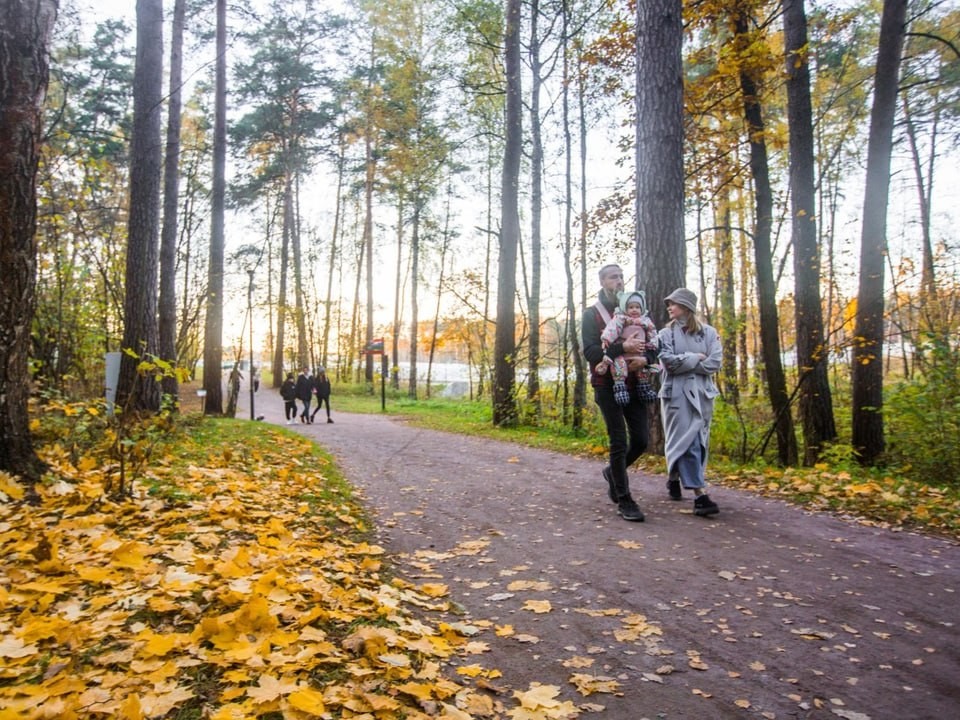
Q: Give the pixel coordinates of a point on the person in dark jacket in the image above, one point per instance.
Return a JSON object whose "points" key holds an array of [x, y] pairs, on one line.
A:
{"points": [[321, 388], [288, 391], [620, 420], [304, 390]]}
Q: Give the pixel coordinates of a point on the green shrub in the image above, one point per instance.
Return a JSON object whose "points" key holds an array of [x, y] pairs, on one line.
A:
{"points": [[922, 417]]}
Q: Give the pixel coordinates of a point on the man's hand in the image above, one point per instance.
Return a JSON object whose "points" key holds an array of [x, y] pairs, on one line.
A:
{"points": [[637, 364], [633, 345]]}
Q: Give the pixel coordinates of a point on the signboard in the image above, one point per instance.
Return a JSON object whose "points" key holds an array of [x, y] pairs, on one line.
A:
{"points": [[374, 347]]}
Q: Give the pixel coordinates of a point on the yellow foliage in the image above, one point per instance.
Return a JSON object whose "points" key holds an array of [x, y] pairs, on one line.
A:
{"points": [[538, 606], [241, 576], [590, 684]]}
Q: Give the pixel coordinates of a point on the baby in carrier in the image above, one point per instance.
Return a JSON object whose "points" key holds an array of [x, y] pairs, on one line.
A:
{"points": [[631, 321]]}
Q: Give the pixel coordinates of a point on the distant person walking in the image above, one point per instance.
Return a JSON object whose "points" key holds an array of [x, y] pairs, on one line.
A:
{"points": [[690, 355], [304, 390], [288, 391], [321, 388], [620, 419]]}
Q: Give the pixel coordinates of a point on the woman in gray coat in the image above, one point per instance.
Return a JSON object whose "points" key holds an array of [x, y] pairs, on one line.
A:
{"points": [[690, 354]]}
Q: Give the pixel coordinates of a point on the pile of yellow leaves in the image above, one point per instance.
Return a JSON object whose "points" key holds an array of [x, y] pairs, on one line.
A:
{"points": [[247, 592]]}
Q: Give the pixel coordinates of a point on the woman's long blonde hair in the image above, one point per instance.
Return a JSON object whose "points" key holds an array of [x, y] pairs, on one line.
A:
{"points": [[694, 324]]}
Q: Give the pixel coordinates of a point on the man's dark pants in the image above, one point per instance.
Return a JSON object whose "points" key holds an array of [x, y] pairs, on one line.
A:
{"points": [[628, 432]]}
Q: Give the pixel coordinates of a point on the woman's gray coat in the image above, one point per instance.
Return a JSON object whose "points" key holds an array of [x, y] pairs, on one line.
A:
{"points": [[687, 390]]}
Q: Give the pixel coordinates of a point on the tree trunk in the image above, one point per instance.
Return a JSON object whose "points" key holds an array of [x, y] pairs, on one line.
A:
{"points": [[24, 41], [573, 336], [581, 388], [171, 195], [727, 286], [483, 365], [745, 280], [933, 316], [414, 288], [140, 330], [536, 203], [815, 400], [303, 349], [279, 371], [398, 276], [355, 313], [504, 355], [369, 178], [867, 380], [213, 327], [444, 248], [334, 242], [766, 287], [660, 247]]}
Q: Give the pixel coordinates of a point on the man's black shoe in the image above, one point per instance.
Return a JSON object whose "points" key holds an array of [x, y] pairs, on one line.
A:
{"points": [[611, 488], [704, 506], [673, 487], [629, 510]]}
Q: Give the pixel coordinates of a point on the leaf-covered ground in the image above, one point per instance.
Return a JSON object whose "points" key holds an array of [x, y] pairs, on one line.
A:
{"points": [[884, 500], [235, 583]]}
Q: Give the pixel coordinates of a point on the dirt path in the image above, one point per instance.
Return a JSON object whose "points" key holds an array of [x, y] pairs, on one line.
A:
{"points": [[763, 611]]}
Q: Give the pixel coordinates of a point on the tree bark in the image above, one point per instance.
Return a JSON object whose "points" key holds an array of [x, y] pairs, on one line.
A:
{"points": [[140, 329], [334, 254], [444, 248], [504, 355], [278, 360], [397, 284], [414, 303], [303, 347], [660, 246], [24, 41], [171, 195], [766, 287], [868, 433], [213, 326], [815, 400], [536, 208], [573, 336], [727, 288], [370, 161]]}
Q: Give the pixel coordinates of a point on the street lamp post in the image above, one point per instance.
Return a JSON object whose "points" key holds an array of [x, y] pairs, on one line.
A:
{"points": [[250, 324]]}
